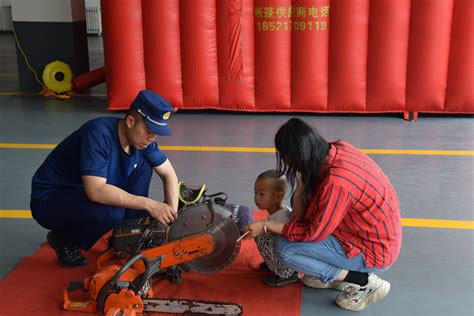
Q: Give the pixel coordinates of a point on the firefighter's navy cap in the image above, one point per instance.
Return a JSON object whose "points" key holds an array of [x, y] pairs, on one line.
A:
{"points": [[155, 111]]}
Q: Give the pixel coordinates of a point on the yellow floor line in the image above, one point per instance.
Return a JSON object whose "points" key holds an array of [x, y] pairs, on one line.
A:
{"points": [[419, 152], [9, 94], [437, 223], [28, 146], [227, 149], [406, 222], [268, 150], [15, 214]]}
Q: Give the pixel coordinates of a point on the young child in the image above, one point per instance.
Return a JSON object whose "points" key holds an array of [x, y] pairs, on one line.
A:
{"points": [[270, 191]]}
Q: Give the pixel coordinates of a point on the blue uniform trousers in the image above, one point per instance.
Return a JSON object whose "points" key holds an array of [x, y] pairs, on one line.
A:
{"points": [[72, 216]]}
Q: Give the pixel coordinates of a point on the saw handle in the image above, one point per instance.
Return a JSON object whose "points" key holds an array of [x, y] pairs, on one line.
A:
{"points": [[210, 205], [217, 198], [113, 282]]}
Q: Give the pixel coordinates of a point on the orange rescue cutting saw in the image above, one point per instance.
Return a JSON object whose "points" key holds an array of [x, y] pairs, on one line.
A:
{"points": [[203, 238]]}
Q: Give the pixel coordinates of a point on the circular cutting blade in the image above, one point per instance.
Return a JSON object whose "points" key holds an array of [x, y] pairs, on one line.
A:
{"points": [[216, 220]]}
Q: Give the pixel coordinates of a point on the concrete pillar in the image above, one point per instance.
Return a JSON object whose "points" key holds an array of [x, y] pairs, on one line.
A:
{"points": [[49, 30]]}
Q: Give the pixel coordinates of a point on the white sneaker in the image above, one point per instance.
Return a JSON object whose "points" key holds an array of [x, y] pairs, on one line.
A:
{"points": [[359, 297], [312, 281]]}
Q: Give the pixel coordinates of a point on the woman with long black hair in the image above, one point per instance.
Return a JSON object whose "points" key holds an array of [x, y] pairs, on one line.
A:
{"points": [[345, 220]]}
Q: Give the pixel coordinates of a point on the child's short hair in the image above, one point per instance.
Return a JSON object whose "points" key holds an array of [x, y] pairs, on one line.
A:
{"points": [[279, 183]]}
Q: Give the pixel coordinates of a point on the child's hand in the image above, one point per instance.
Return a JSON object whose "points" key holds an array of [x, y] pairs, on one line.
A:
{"points": [[255, 229]]}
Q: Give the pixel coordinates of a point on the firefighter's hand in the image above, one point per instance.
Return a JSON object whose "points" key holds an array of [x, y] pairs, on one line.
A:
{"points": [[160, 211]]}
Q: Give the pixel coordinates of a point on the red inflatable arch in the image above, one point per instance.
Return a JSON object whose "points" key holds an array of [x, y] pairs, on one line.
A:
{"points": [[361, 56]]}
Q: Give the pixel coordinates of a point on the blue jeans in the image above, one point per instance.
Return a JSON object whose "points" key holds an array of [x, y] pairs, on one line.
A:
{"points": [[324, 259], [72, 216]]}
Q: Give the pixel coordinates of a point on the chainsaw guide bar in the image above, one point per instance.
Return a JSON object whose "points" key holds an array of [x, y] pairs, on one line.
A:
{"points": [[194, 307]]}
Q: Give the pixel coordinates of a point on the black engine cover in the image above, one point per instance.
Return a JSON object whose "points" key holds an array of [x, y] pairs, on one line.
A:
{"points": [[125, 237]]}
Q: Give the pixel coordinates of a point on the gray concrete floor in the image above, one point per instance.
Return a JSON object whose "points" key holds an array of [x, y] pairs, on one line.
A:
{"points": [[434, 274]]}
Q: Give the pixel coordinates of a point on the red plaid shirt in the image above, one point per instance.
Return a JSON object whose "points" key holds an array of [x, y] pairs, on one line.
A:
{"points": [[356, 203]]}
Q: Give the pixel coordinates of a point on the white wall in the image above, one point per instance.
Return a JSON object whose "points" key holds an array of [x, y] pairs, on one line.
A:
{"points": [[72, 11], [6, 15], [48, 10], [92, 3]]}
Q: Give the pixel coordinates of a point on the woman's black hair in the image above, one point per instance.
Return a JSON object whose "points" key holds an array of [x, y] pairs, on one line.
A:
{"points": [[300, 149]]}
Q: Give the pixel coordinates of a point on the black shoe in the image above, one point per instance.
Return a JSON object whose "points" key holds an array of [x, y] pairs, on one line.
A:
{"points": [[275, 280], [69, 255], [263, 267]]}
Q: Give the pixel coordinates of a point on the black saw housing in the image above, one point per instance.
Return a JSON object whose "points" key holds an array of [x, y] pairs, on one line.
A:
{"points": [[137, 234]]}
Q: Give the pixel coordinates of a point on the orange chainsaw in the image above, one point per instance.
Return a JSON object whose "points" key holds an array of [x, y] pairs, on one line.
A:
{"points": [[203, 238]]}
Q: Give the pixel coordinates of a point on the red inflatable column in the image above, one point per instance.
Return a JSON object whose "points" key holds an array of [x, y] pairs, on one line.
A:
{"points": [[123, 50], [309, 55], [460, 91], [272, 55], [348, 55], [389, 23], [428, 54], [199, 54], [235, 52], [161, 36]]}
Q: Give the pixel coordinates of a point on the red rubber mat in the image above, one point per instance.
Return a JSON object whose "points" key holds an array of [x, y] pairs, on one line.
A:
{"points": [[35, 286]]}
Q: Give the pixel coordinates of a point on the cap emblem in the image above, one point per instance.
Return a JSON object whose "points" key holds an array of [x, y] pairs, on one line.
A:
{"points": [[150, 119]]}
